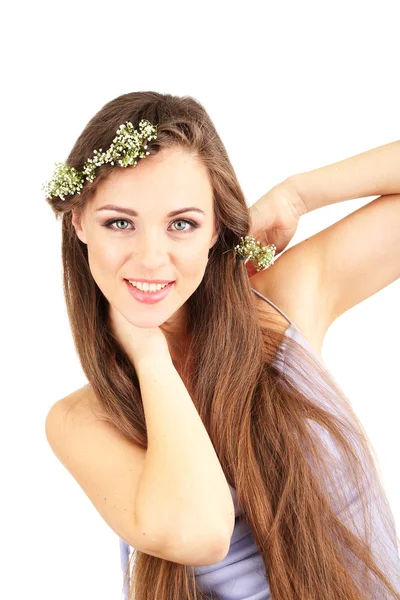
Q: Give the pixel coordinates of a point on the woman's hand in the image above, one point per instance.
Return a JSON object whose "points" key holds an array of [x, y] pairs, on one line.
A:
{"points": [[274, 218], [138, 342]]}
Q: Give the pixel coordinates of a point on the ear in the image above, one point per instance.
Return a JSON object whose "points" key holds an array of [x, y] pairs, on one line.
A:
{"points": [[214, 237], [76, 222]]}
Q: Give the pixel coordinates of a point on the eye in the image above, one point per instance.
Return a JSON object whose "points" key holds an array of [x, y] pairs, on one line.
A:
{"points": [[193, 225], [109, 223]]}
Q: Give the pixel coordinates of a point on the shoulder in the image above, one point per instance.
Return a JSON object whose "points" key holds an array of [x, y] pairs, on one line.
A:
{"points": [[80, 404], [294, 283]]}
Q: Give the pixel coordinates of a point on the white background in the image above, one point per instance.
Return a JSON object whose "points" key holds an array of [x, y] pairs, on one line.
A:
{"points": [[290, 86]]}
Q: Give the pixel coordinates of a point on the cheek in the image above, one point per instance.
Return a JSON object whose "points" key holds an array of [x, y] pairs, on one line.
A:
{"points": [[104, 261], [194, 258], [192, 265]]}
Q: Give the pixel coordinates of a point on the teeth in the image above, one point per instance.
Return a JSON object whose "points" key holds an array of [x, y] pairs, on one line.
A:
{"points": [[145, 287]]}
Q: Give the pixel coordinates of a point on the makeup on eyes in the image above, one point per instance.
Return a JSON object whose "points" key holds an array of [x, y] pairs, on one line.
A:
{"points": [[193, 225]]}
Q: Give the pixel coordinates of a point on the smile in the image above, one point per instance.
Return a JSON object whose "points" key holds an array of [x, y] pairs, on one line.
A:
{"points": [[149, 297]]}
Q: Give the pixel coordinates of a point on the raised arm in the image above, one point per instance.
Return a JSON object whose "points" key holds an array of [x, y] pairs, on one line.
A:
{"points": [[182, 494]]}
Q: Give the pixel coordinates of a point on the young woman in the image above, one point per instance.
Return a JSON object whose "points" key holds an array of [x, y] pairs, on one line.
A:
{"points": [[211, 437]]}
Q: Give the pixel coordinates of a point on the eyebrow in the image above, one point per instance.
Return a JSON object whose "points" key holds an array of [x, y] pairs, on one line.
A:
{"points": [[134, 213]]}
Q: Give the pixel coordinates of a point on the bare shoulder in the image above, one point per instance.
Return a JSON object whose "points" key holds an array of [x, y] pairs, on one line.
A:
{"points": [[105, 464], [81, 416], [84, 400], [108, 467], [82, 409], [294, 284]]}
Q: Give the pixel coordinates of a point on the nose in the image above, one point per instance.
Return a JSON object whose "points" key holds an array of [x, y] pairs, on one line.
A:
{"points": [[150, 251]]}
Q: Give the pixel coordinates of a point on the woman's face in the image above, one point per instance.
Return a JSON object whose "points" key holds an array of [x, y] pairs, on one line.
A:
{"points": [[150, 244]]}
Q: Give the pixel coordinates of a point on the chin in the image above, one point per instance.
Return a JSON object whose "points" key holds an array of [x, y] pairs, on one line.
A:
{"points": [[149, 324], [148, 321]]}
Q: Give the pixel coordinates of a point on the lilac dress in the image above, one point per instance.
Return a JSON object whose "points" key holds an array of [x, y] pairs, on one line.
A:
{"points": [[241, 574]]}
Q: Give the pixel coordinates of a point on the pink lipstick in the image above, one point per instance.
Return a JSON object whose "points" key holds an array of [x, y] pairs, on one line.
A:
{"points": [[149, 297]]}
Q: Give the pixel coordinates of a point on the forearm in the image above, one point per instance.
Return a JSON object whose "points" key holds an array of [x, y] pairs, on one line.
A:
{"points": [[182, 495], [375, 172]]}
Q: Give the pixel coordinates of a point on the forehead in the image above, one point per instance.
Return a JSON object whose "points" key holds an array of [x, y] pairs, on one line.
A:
{"points": [[172, 175]]}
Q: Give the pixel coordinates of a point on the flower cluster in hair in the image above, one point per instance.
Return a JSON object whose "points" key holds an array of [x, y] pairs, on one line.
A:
{"points": [[125, 148], [249, 249]]}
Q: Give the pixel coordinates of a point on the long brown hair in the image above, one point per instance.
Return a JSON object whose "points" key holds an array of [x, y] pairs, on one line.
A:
{"points": [[289, 442]]}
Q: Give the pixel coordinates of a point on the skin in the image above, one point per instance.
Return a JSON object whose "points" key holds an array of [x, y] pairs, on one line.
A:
{"points": [[151, 245]]}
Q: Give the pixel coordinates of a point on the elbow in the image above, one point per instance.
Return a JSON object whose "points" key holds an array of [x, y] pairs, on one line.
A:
{"points": [[215, 552], [200, 551]]}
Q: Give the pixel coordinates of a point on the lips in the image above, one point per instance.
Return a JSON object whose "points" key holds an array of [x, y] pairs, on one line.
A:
{"points": [[149, 297]]}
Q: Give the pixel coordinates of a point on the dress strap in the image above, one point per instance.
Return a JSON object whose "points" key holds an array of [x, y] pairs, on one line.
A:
{"points": [[274, 305]]}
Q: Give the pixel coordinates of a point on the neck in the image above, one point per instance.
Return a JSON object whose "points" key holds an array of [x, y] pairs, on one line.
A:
{"points": [[175, 331]]}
